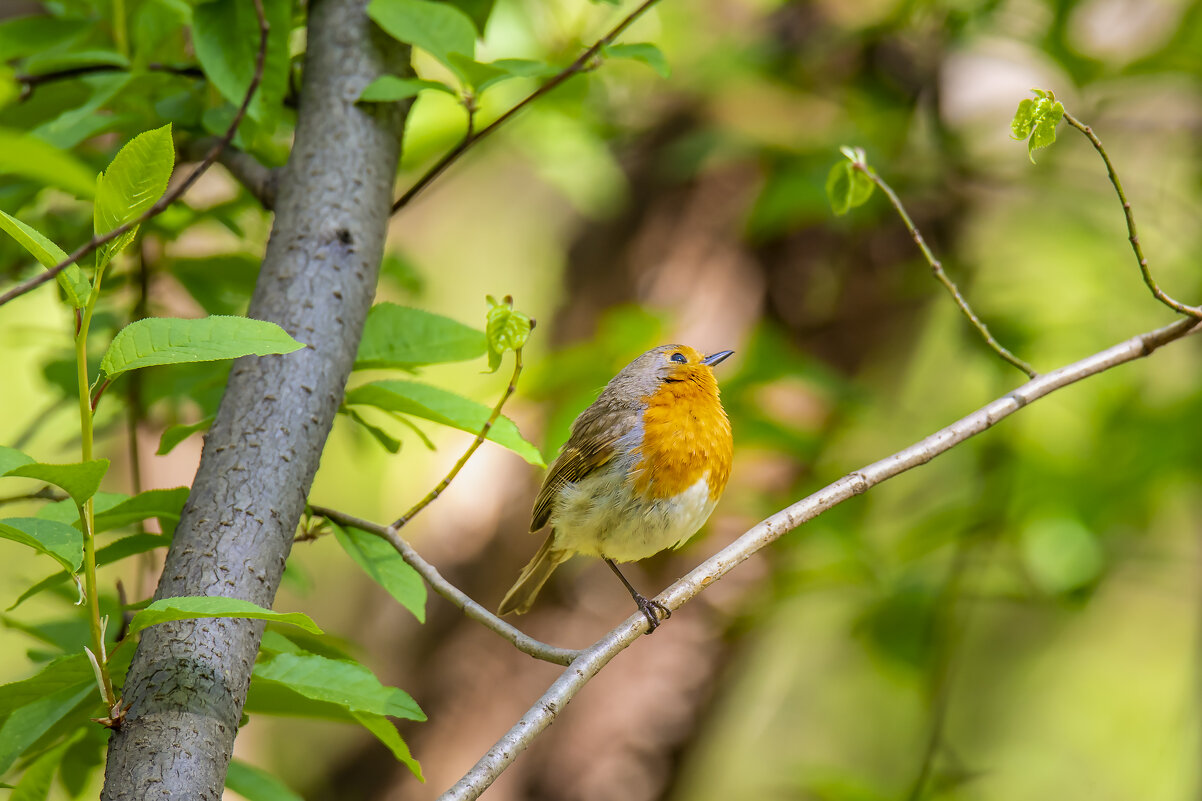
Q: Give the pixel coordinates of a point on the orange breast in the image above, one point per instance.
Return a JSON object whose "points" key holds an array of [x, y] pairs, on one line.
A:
{"points": [[686, 435]]}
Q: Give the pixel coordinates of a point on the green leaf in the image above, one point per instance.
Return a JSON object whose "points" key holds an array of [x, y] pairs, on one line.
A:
{"points": [[113, 552], [438, 28], [1036, 120], [24, 36], [80, 480], [188, 608], [161, 504], [35, 781], [134, 181], [75, 286], [386, 733], [386, 567], [174, 435], [170, 340], [25, 725], [256, 784], [59, 541], [848, 184], [389, 88], [11, 457], [645, 52], [225, 34], [398, 336], [29, 157], [1061, 555], [476, 75], [346, 684], [506, 329], [477, 10], [447, 408], [388, 442]]}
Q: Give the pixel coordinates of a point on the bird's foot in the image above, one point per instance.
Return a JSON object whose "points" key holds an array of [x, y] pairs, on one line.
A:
{"points": [[652, 610]]}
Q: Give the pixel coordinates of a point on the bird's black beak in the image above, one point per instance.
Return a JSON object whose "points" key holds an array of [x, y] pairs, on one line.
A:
{"points": [[715, 358]]}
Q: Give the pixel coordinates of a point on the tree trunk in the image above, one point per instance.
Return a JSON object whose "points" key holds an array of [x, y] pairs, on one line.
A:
{"points": [[188, 682]]}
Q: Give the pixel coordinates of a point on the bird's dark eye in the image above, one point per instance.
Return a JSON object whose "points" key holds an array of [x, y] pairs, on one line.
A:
{"points": [[679, 358]]}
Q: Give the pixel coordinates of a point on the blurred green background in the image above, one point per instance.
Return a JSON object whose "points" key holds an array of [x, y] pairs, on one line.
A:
{"points": [[1017, 619]]}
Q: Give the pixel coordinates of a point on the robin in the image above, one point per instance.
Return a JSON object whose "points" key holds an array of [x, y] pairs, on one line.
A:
{"points": [[641, 472]]}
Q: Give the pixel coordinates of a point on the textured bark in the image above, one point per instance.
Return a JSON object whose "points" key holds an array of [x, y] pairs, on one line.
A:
{"points": [[188, 681]]}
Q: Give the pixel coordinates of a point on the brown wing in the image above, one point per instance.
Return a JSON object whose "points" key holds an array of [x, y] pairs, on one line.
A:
{"points": [[595, 435]]}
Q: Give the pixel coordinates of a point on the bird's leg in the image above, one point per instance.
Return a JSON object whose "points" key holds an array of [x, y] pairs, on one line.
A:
{"points": [[647, 606]]}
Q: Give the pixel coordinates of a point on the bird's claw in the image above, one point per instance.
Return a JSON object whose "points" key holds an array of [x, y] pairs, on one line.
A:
{"points": [[652, 610]]}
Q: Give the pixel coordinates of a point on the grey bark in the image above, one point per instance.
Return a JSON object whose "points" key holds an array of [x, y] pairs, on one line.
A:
{"points": [[188, 681]]}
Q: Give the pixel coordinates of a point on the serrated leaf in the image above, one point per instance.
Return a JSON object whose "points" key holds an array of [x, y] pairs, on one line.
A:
{"points": [[389, 88], [1036, 120], [113, 552], [136, 178], [645, 52], [193, 607], [75, 286], [27, 723], [438, 28], [171, 340], [11, 457], [80, 480], [447, 408], [25, 155], [59, 541], [174, 435], [386, 733], [386, 567], [398, 336], [505, 328], [161, 504], [256, 784], [225, 34], [346, 684]]}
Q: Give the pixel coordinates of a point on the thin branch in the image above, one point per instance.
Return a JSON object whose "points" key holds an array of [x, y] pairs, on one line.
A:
{"points": [[1157, 292], [473, 610], [476, 443], [941, 275], [596, 656], [172, 195], [262, 182], [31, 82], [581, 64]]}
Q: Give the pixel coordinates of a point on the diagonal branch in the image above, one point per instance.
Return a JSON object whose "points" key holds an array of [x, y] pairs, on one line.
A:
{"points": [[172, 195], [581, 64], [1136, 247], [473, 610], [592, 659], [261, 181]]}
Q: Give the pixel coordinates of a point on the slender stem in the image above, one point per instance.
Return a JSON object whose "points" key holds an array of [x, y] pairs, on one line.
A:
{"points": [[172, 195], [470, 608], [120, 30], [581, 64], [433, 494], [1136, 247], [941, 275]]}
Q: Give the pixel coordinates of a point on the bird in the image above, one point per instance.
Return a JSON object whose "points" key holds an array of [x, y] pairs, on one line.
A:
{"points": [[642, 470]]}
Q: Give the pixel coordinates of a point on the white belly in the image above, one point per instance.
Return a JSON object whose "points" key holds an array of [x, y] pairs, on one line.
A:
{"points": [[600, 516]]}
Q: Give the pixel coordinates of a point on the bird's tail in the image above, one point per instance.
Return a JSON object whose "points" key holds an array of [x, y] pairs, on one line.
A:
{"points": [[521, 595]]}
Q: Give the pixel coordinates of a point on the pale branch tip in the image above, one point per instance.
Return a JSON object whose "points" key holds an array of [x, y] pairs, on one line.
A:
{"points": [[433, 494], [590, 661], [171, 195], [942, 277], [461, 600], [1132, 236], [581, 64]]}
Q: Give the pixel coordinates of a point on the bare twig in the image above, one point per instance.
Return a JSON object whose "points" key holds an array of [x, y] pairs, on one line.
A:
{"points": [[596, 656], [473, 610], [31, 82], [1157, 292], [260, 181], [581, 64], [476, 443], [172, 195], [942, 277]]}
